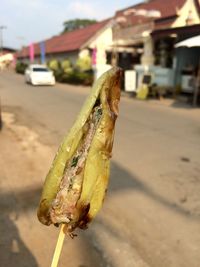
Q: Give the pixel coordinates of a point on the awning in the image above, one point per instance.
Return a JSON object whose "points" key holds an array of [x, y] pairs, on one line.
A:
{"points": [[191, 42], [186, 31]]}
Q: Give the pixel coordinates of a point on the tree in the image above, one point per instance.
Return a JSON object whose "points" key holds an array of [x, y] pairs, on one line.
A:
{"points": [[71, 25]]}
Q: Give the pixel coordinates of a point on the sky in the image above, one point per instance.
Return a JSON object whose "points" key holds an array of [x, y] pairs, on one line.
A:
{"points": [[30, 21]]}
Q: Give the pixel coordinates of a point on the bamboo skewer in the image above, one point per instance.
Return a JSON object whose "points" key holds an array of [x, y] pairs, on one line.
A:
{"points": [[58, 248]]}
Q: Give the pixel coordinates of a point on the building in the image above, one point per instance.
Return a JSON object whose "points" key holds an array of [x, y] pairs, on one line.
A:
{"points": [[6, 50], [145, 34], [140, 38], [6, 57], [72, 45]]}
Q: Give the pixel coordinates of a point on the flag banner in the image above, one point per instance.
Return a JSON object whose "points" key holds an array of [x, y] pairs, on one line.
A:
{"points": [[94, 56], [42, 52], [31, 52]]}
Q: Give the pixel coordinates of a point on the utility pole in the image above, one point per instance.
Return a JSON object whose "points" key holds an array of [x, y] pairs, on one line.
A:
{"points": [[196, 87], [1, 50], [2, 27]]}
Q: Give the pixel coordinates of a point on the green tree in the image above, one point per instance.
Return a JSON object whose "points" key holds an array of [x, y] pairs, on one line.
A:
{"points": [[74, 24]]}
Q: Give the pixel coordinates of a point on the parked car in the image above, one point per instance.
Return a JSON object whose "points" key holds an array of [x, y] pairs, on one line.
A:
{"points": [[39, 75]]}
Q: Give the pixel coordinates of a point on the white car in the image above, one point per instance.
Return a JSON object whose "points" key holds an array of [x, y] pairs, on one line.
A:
{"points": [[39, 75]]}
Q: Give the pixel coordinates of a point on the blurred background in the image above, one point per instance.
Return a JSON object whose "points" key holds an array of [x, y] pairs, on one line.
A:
{"points": [[151, 213]]}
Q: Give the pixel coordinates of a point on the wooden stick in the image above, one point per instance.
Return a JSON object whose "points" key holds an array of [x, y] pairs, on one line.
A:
{"points": [[58, 248]]}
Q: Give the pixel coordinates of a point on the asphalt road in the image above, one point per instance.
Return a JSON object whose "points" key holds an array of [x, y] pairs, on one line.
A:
{"points": [[152, 211]]}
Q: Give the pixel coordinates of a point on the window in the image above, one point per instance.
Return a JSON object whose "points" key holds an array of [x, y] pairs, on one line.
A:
{"points": [[40, 70]]}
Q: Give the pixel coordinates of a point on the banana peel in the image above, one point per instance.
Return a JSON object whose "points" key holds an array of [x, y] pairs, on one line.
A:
{"points": [[75, 186]]}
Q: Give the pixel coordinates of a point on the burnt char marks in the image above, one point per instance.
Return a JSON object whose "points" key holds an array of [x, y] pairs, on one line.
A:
{"points": [[97, 103], [82, 222], [85, 218], [43, 213], [113, 93]]}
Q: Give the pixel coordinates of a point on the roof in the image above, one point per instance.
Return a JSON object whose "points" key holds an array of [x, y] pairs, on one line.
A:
{"points": [[66, 42], [190, 42], [168, 11], [8, 49]]}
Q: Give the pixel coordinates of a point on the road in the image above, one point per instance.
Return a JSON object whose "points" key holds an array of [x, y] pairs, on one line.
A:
{"points": [[151, 214]]}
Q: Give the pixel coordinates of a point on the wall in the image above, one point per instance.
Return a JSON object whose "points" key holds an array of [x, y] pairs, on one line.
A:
{"points": [[188, 7], [72, 56], [102, 42]]}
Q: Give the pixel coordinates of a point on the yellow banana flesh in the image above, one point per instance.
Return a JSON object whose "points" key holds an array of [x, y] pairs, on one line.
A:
{"points": [[75, 186]]}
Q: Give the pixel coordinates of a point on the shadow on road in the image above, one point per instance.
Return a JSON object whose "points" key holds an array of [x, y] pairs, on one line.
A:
{"points": [[121, 179], [13, 251], [182, 104]]}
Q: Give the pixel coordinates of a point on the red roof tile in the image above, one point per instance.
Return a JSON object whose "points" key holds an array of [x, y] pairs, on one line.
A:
{"points": [[168, 12], [66, 42], [166, 9]]}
